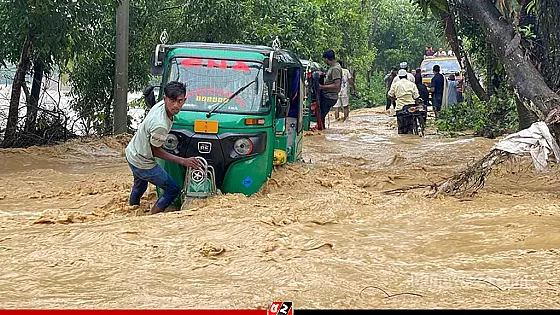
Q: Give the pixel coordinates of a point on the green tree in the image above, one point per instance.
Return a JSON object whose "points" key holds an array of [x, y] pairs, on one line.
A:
{"points": [[310, 27], [401, 34], [40, 35], [92, 72], [86, 51]]}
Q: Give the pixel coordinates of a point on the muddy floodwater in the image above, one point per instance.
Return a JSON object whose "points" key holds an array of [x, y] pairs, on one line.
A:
{"points": [[322, 234]]}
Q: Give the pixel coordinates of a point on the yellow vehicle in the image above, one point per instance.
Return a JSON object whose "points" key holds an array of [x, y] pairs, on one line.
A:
{"points": [[449, 65]]}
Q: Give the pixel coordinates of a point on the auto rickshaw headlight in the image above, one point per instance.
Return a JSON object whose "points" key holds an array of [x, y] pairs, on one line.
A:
{"points": [[171, 143], [243, 146]]}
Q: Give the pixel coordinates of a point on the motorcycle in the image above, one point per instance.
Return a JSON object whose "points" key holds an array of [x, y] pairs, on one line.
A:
{"points": [[419, 116], [412, 119]]}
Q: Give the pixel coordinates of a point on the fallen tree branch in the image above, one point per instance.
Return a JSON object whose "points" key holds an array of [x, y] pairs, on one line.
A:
{"points": [[535, 141], [387, 295], [405, 189], [481, 280], [473, 178], [466, 182]]}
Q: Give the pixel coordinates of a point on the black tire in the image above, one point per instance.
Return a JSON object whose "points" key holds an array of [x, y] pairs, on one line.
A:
{"points": [[414, 125], [418, 126]]}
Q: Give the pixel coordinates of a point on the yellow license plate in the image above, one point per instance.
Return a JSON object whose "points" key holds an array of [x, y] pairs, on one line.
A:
{"points": [[206, 126]]}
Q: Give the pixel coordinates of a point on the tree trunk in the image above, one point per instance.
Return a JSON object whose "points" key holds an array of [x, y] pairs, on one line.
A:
{"points": [[451, 35], [526, 118], [108, 119], [473, 81], [528, 83], [33, 101], [372, 29], [490, 67], [548, 31], [19, 78]]}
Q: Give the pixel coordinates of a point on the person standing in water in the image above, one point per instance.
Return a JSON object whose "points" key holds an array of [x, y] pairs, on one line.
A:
{"points": [[146, 145], [343, 96]]}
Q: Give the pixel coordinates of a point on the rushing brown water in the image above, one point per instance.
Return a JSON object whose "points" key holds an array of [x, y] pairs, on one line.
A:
{"points": [[322, 234]]}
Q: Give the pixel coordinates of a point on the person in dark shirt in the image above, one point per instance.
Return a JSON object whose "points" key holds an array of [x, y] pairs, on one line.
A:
{"points": [[388, 81], [333, 83], [438, 83], [422, 90]]}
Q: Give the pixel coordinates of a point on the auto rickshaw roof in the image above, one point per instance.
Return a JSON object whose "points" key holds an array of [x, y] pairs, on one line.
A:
{"points": [[311, 64], [285, 57]]}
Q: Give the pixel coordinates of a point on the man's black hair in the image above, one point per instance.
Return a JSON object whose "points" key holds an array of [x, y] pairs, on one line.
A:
{"points": [[436, 68], [395, 69], [329, 54], [174, 89]]}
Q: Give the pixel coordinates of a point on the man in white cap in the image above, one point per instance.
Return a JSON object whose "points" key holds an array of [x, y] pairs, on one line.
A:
{"points": [[406, 94], [409, 76]]}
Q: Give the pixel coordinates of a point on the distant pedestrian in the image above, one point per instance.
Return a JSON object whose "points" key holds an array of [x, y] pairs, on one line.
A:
{"points": [[409, 76], [437, 89], [389, 77], [331, 88], [441, 53], [422, 90], [343, 96], [452, 86], [429, 51]]}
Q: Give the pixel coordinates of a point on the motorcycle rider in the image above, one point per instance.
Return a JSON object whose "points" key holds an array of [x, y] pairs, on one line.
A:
{"points": [[406, 94]]}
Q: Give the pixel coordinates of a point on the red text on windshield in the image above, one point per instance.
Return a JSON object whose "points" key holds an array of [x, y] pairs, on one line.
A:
{"points": [[212, 63]]}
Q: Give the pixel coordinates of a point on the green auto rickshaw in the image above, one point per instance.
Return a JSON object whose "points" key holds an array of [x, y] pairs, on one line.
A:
{"points": [[243, 114]]}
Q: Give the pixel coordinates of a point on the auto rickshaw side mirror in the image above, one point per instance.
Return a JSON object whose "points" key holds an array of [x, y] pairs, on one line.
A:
{"points": [[270, 70], [150, 96], [157, 61]]}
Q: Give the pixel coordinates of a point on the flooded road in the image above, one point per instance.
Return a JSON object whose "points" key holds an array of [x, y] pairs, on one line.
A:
{"points": [[322, 234]]}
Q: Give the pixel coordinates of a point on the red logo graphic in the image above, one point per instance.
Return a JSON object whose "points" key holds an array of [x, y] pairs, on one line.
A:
{"points": [[210, 63], [279, 308]]}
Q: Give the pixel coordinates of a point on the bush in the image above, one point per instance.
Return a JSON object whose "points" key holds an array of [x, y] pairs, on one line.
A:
{"points": [[489, 119], [372, 96]]}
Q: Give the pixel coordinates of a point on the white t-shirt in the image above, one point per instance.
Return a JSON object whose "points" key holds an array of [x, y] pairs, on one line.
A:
{"points": [[152, 131], [346, 75]]}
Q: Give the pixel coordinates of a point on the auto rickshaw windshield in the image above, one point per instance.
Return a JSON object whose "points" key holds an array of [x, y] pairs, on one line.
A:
{"points": [[212, 81]]}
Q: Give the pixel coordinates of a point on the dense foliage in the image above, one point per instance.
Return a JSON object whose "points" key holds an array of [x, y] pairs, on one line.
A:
{"points": [[39, 36], [401, 32], [491, 118], [77, 38]]}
